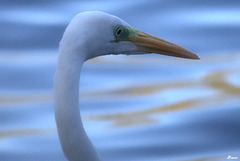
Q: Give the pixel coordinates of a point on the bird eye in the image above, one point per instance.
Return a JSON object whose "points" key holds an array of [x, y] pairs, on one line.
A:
{"points": [[118, 31], [121, 33]]}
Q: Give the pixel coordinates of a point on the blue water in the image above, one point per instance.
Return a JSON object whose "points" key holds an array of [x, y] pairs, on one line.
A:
{"points": [[141, 108]]}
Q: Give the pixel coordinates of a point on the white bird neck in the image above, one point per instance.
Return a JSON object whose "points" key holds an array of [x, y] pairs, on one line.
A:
{"points": [[74, 141]]}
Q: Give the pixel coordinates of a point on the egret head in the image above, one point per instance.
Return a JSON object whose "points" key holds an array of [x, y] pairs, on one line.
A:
{"points": [[96, 33]]}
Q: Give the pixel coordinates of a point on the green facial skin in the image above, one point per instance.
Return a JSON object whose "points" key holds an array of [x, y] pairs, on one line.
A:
{"points": [[124, 33]]}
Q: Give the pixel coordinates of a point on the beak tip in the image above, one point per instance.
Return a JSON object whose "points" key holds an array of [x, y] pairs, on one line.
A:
{"points": [[196, 57], [190, 55]]}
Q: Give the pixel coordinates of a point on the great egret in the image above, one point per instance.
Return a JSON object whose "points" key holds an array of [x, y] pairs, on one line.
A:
{"points": [[91, 34]]}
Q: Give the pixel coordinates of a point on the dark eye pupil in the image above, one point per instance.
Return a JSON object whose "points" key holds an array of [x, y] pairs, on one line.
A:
{"points": [[119, 31]]}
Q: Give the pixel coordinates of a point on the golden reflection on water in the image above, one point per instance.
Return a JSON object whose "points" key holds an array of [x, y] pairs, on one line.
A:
{"points": [[24, 132], [218, 80], [145, 116], [25, 98], [215, 79]]}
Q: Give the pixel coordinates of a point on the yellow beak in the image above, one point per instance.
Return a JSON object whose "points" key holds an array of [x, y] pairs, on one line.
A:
{"points": [[152, 44]]}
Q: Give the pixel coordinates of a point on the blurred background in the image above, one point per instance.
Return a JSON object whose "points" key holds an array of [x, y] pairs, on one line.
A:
{"points": [[135, 108]]}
